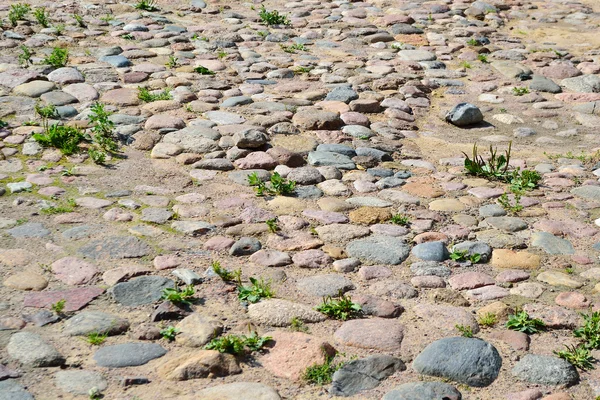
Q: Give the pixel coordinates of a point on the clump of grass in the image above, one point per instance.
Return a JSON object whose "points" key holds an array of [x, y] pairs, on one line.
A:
{"points": [[495, 167], [79, 20], [225, 274], [64, 138], [25, 56], [58, 58], [488, 319], [343, 308], [103, 128], [292, 48], [579, 356], [297, 325], [590, 331], [521, 322], [173, 62], [18, 12], [203, 70], [148, 97], [278, 185], [272, 17], [272, 225], [258, 289], [321, 374], [482, 58], [400, 219], [463, 255], [96, 338], [41, 16], [520, 91], [59, 306], [238, 344], [514, 207], [465, 331], [169, 333], [466, 65], [146, 5], [177, 296]]}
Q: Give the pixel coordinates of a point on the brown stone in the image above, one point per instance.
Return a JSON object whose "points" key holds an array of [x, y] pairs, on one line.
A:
{"points": [[26, 280], [15, 257], [370, 215], [503, 258], [201, 364]]}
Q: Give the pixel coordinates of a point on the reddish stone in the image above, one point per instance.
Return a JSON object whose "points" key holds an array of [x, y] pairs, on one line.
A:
{"points": [[428, 282], [516, 340], [529, 394], [376, 333], [430, 237], [372, 305], [369, 272], [470, 280], [75, 299], [218, 243], [572, 300]]}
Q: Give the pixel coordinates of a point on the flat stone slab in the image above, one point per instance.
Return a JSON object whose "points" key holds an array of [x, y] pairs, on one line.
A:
{"points": [[85, 323], [75, 299], [12, 390], [423, 391], [80, 382], [140, 291], [128, 354], [239, 391], [375, 333], [29, 230], [279, 312], [115, 247]]}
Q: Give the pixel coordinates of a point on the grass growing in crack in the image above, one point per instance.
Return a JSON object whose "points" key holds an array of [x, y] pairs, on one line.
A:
{"points": [[521, 322], [3, 124], [41, 16], [278, 185], [25, 56], [177, 296], [272, 17], [482, 58], [590, 331], [495, 167], [465, 331], [524, 180], [18, 12], [224, 274], [258, 289], [400, 219], [148, 97], [146, 5], [103, 135], [64, 138], [343, 308], [173, 62], [292, 48], [169, 333], [463, 255], [466, 65], [321, 374], [578, 356], [59, 306], [96, 338], [272, 225], [488, 320], [520, 91], [511, 208], [203, 70], [473, 42], [58, 58], [297, 325], [79, 20], [237, 344]]}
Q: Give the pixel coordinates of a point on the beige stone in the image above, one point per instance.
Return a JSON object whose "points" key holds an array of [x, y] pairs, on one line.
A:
{"points": [[504, 258]]}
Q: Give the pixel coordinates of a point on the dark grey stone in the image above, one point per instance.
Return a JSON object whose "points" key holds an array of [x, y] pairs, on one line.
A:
{"points": [[128, 354], [465, 360], [140, 291], [245, 246], [423, 391], [431, 251], [342, 93], [115, 247], [29, 230], [117, 61], [327, 158], [424, 268], [545, 370], [464, 114], [364, 374], [325, 285]]}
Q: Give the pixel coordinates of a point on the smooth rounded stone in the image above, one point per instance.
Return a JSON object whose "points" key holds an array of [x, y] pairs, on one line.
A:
{"points": [[58, 98], [512, 276], [416, 55], [99, 322], [311, 259], [375, 333], [270, 258], [364, 374], [31, 350], [344, 94], [582, 84], [508, 224], [557, 278], [389, 230], [492, 210], [279, 312], [239, 391], [225, 118], [424, 268], [472, 248], [196, 330], [305, 176], [128, 354], [314, 119], [466, 360], [34, 88], [156, 215], [464, 114], [200, 364], [545, 370], [378, 249], [423, 391], [241, 177], [369, 272], [530, 290], [140, 291], [11, 390], [431, 251], [26, 280], [291, 353], [485, 293], [429, 282], [470, 280], [341, 232], [29, 230], [328, 158], [325, 285], [80, 381], [245, 246], [447, 205], [115, 247], [551, 244], [346, 264]]}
